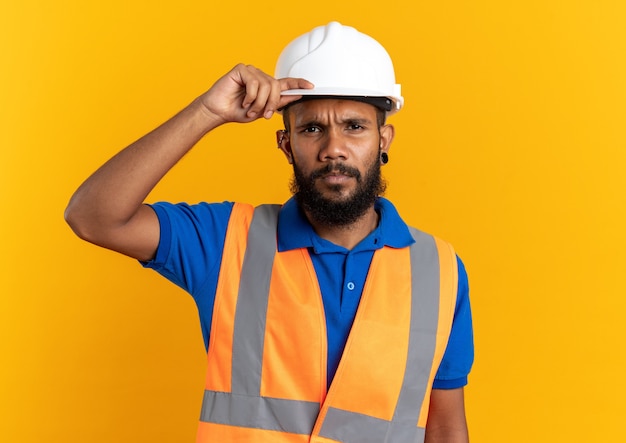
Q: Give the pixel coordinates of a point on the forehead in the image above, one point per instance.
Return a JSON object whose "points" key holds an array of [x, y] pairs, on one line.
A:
{"points": [[331, 108]]}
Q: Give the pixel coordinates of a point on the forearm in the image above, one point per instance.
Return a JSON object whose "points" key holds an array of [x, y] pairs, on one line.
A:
{"points": [[114, 193], [446, 417], [446, 435]]}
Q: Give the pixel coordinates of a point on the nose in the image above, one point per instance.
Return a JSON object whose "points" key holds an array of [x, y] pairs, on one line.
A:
{"points": [[333, 147]]}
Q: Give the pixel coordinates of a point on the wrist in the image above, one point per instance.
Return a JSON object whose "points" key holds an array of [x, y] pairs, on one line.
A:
{"points": [[208, 119]]}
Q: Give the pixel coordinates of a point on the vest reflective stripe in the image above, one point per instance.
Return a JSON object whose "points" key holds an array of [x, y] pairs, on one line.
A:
{"points": [[424, 317], [275, 414], [346, 426], [350, 427], [244, 406], [252, 302], [219, 355]]}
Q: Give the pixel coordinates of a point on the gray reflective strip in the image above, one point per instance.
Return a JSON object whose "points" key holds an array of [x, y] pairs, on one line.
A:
{"points": [[425, 275], [350, 427], [251, 310], [245, 407], [296, 417]]}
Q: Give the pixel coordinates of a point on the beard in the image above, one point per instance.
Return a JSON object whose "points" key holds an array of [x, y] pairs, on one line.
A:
{"points": [[342, 211]]}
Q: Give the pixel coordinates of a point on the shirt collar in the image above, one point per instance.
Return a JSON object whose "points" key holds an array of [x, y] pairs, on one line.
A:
{"points": [[295, 231]]}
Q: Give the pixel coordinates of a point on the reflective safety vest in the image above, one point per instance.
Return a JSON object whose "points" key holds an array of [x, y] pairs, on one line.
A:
{"points": [[266, 375]]}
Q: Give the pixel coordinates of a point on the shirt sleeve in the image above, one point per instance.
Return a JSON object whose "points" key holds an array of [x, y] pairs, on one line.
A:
{"points": [[190, 251], [191, 242], [459, 355]]}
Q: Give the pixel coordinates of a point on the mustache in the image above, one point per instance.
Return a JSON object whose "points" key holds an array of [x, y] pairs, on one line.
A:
{"points": [[334, 168]]}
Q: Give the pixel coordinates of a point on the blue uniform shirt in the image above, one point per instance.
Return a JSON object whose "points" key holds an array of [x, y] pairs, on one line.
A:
{"points": [[190, 252]]}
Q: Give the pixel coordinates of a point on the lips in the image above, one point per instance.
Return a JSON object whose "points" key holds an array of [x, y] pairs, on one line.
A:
{"points": [[337, 174], [336, 179]]}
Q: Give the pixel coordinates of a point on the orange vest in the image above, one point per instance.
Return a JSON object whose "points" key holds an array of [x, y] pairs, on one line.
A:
{"points": [[266, 375]]}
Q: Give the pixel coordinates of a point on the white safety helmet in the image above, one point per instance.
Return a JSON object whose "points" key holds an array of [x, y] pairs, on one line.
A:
{"points": [[341, 61]]}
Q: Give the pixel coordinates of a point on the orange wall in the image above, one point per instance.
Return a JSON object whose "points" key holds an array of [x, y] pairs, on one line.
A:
{"points": [[511, 146]]}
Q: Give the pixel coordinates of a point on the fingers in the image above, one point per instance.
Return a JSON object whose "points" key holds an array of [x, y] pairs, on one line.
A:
{"points": [[246, 93], [292, 83], [262, 91]]}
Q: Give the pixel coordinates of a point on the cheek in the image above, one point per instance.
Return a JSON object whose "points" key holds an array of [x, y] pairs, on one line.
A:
{"points": [[300, 164], [303, 154], [366, 157]]}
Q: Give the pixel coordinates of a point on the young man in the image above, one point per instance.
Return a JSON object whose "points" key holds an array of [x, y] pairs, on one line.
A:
{"points": [[326, 318]]}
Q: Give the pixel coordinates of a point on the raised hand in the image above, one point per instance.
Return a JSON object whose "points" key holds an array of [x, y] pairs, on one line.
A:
{"points": [[246, 93]]}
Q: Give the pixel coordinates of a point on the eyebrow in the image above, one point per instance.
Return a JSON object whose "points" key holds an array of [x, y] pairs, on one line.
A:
{"points": [[357, 120], [348, 120]]}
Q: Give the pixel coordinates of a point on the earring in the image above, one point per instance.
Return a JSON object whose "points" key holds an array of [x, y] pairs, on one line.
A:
{"points": [[283, 133], [384, 158]]}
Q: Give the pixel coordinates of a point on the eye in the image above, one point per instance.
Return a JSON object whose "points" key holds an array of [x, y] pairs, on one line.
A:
{"points": [[310, 129], [355, 127]]}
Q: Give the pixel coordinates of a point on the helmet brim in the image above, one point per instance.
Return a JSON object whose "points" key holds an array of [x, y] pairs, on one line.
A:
{"points": [[353, 93]]}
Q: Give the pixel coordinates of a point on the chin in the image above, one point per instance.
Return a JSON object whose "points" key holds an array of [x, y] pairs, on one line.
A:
{"points": [[337, 196], [340, 192]]}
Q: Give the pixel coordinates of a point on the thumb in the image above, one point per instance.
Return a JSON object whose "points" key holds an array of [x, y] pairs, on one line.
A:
{"points": [[292, 83], [295, 83]]}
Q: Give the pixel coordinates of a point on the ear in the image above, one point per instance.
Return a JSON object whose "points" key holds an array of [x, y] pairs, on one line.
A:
{"points": [[387, 133], [282, 140]]}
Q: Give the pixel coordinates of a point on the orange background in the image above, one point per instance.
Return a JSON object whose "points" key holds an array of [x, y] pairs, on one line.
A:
{"points": [[511, 146]]}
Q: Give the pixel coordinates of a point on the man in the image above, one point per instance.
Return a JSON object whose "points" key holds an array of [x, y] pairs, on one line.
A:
{"points": [[326, 319]]}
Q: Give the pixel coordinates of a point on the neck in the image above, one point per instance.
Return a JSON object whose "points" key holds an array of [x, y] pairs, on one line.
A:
{"points": [[349, 235]]}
